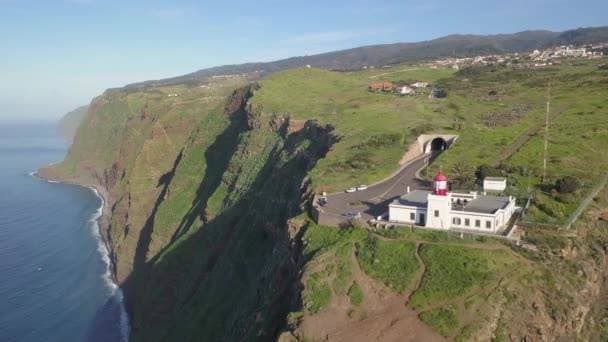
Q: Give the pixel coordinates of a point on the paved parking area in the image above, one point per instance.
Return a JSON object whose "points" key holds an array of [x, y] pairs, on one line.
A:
{"points": [[374, 201]]}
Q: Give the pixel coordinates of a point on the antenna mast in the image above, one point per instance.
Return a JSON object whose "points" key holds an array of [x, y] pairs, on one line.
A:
{"points": [[546, 132]]}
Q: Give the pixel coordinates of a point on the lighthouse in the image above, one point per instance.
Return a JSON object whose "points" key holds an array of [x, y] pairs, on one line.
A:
{"points": [[440, 184], [438, 210]]}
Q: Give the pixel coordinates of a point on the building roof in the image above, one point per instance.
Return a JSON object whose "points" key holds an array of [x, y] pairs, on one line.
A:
{"points": [[484, 204], [416, 198], [495, 179]]}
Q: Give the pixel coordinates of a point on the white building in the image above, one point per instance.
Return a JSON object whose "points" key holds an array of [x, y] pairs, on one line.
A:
{"points": [[420, 84], [441, 209], [406, 90], [494, 184]]}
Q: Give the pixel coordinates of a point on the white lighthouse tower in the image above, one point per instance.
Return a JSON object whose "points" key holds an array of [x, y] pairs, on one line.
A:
{"points": [[438, 210]]}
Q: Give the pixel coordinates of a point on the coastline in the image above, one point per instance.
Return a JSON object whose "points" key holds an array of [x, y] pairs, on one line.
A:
{"points": [[97, 219]]}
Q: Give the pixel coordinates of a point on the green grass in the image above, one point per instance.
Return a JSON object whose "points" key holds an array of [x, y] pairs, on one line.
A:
{"points": [[355, 294], [443, 320], [334, 247], [376, 128], [392, 262], [320, 239], [453, 271], [360, 117], [318, 294]]}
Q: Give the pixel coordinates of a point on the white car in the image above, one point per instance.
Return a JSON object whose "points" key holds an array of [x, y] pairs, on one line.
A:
{"points": [[349, 190], [361, 187], [353, 215]]}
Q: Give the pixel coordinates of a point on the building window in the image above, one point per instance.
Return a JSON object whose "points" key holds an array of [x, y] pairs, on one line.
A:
{"points": [[456, 221], [412, 216], [477, 223], [467, 222], [436, 213], [488, 224]]}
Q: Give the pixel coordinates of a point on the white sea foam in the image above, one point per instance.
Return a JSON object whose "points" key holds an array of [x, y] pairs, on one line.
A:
{"points": [[35, 175], [107, 276], [115, 290]]}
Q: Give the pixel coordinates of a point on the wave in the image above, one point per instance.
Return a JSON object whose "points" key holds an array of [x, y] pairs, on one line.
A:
{"points": [[102, 249], [107, 276], [35, 175]]}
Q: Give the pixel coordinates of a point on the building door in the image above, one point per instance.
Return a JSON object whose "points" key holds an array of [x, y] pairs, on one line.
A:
{"points": [[422, 220]]}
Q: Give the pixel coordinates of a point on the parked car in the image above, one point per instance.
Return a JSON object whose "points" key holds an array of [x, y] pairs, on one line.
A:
{"points": [[353, 189], [361, 187], [353, 214], [323, 200]]}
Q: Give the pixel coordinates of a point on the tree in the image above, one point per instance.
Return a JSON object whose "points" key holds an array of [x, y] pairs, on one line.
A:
{"points": [[462, 174], [486, 170], [567, 184]]}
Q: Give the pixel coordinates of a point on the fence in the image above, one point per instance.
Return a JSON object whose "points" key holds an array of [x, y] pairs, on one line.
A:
{"points": [[585, 203]]}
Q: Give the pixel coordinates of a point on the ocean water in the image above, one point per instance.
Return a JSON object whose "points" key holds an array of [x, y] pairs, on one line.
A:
{"points": [[55, 283]]}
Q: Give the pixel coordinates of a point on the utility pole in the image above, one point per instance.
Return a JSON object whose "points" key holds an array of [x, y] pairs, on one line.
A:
{"points": [[546, 132]]}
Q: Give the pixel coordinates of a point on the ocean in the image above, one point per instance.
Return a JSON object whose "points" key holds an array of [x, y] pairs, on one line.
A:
{"points": [[55, 283]]}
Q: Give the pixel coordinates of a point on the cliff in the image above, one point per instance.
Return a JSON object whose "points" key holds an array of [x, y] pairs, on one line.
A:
{"points": [[206, 186], [199, 190], [68, 124]]}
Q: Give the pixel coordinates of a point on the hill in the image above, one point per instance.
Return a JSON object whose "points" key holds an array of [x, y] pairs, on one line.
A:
{"points": [[388, 54], [207, 187], [68, 124]]}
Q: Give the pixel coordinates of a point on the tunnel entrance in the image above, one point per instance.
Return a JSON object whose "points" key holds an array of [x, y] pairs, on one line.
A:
{"points": [[438, 144]]}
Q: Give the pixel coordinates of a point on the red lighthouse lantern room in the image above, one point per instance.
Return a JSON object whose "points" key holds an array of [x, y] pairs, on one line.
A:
{"points": [[441, 184]]}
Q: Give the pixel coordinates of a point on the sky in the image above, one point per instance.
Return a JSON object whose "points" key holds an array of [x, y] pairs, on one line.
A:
{"points": [[56, 55]]}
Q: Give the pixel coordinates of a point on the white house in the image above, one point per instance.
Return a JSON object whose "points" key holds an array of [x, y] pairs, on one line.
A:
{"points": [[441, 209], [406, 90], [494, 184], [420, 84]]}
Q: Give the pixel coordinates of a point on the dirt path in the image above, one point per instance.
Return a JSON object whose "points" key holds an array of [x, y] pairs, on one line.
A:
{"points": [[443, 243], [382, 316], [420, 274]]}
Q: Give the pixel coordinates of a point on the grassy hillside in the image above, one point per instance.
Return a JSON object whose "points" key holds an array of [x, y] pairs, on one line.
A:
{"points": [[206, 186], [497, 111], [465, 289], [374, 128]]}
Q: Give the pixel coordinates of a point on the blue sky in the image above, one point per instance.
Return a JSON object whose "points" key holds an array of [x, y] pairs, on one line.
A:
{"points": [[59, 54]]}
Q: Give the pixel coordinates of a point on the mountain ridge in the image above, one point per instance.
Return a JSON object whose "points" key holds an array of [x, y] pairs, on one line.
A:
{"points": [[461, 45]]}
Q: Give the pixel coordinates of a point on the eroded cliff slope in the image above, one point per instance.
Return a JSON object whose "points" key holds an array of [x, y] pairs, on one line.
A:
{"points": [[199, 190]]}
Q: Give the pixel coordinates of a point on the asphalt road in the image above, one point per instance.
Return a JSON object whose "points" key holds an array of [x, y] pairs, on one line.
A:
{"points": [[374, 201]]}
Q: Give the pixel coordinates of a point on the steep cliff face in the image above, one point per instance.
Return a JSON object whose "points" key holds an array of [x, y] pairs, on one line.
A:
{"points": [[68, 125], [199, 202]]}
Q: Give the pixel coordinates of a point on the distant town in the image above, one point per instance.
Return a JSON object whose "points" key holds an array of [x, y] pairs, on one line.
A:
{"points": [[536, 58]]}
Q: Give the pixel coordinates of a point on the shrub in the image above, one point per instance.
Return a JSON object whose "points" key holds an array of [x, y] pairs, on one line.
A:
{"points": [[427, 127], [443, 319], [486, 170], [355, 294], [567, 184]]}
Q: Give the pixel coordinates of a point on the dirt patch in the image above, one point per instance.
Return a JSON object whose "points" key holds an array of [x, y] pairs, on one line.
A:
{"points": [[506, 118], [382, 316]]}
